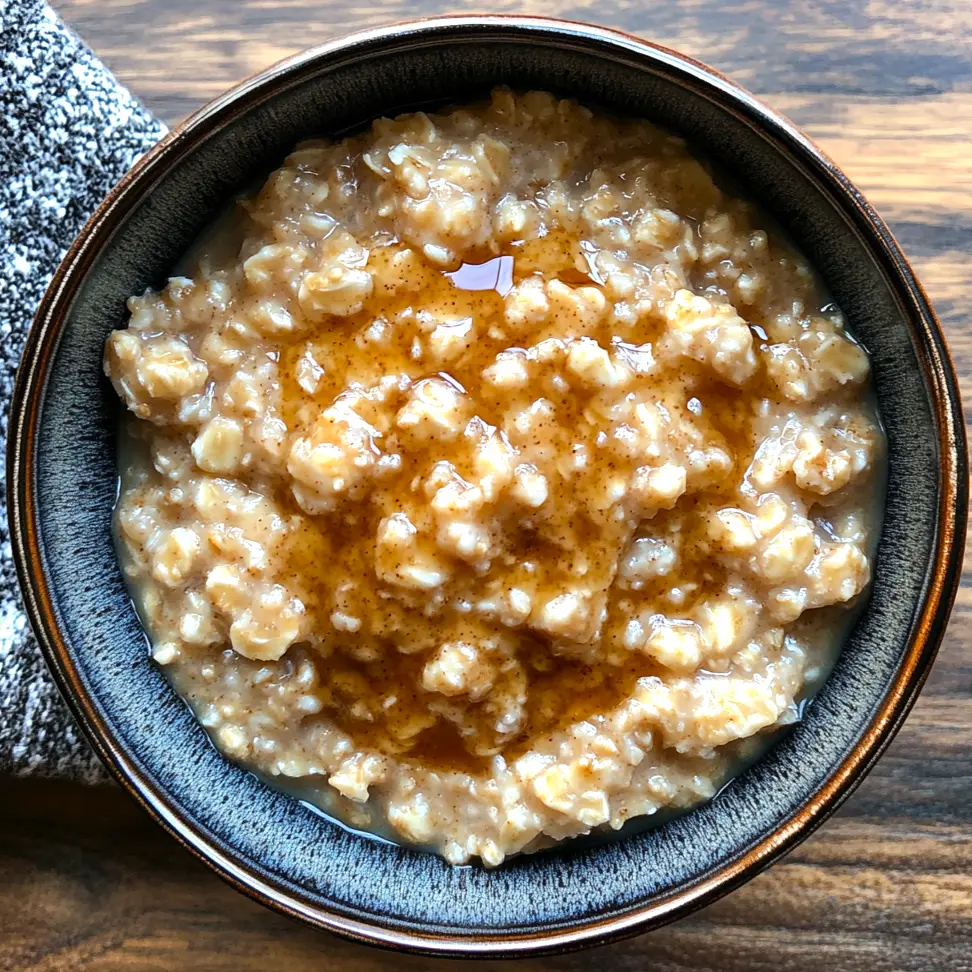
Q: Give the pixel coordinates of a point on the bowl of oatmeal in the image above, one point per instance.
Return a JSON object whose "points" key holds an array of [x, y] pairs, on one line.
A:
{"points": [[549, 480]]}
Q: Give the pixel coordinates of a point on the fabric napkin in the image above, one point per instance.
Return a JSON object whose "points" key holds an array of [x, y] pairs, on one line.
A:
{"points": [[68, 132]]}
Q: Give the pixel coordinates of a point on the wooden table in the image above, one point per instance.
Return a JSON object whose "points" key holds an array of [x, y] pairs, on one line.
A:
{"points": [[87, 881]]}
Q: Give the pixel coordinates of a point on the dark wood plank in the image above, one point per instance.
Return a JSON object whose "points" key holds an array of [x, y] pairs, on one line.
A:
{"points": [[171, 52], [89, 882], [86, 881]]}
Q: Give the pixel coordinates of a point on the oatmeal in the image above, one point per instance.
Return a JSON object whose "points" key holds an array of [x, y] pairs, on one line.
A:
{"points": [[484, 472]]}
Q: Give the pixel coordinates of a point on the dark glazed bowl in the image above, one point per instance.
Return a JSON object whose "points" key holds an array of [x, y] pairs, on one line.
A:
{"points": [[62, 487]]}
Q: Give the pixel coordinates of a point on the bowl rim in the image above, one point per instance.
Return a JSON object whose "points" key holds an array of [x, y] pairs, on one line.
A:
{"points": [[939, 375]]}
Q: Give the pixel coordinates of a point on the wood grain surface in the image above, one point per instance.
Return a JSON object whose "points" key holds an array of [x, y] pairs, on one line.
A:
{"points": [[88, 882]]}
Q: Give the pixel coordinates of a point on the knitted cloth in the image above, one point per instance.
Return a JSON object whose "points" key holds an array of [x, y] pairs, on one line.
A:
{"points": [[68, 132]]}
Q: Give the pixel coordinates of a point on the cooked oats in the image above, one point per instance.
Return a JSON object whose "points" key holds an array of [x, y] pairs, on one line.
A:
{"points": [[484, 470]]}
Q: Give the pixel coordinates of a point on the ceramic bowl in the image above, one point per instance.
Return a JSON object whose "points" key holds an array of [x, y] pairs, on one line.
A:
{"points": [[63, 483]]}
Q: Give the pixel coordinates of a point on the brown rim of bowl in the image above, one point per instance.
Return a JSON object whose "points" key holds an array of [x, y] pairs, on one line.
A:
{"points": [[928, 627]]}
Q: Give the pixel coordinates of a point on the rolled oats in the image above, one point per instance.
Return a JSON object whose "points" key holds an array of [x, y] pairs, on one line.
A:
{"points": [[483, 488]]}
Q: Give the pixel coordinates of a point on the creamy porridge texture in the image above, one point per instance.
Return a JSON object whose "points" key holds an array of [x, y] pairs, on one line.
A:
{"points": [[483, 475]]}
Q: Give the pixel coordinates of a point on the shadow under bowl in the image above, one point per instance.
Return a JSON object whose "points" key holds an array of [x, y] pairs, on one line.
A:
{"points": [[62, 483]]}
